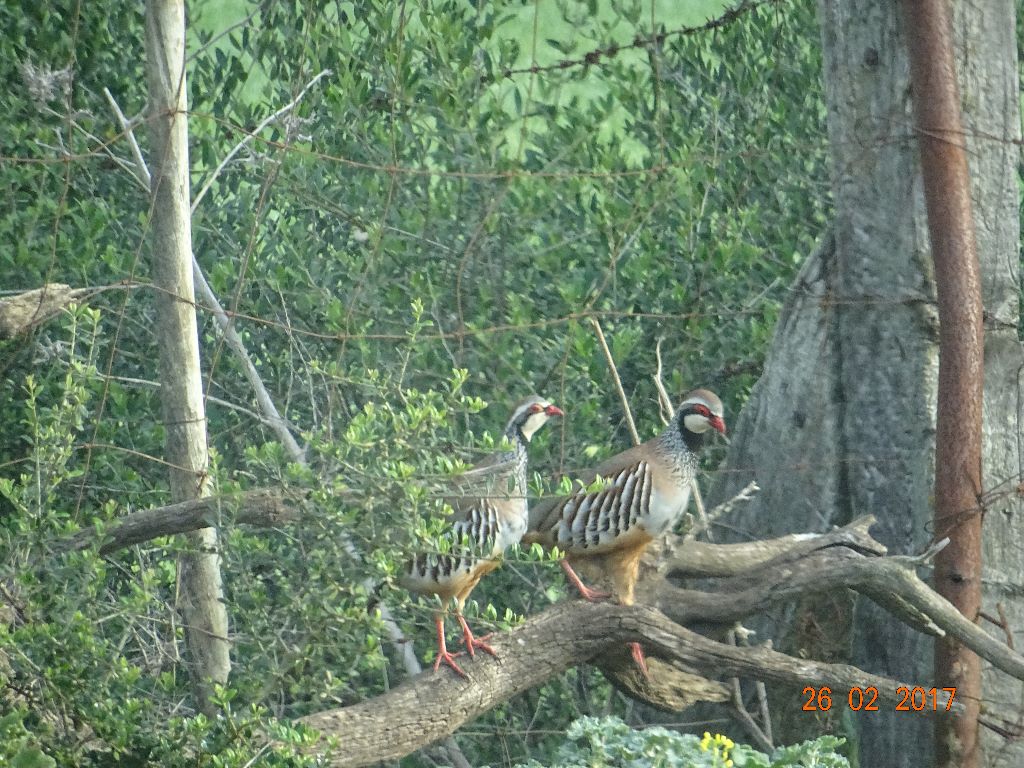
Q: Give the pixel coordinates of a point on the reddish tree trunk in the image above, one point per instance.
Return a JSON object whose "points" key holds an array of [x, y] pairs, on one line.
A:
{"points": [[961, 359]]}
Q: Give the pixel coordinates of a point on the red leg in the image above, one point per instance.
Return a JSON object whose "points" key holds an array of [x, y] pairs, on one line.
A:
{"points": [[473, 642], [638, 657], [585, 592], [442, 649]]}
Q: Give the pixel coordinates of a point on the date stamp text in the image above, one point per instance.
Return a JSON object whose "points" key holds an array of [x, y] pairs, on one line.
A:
{"points": [[858, 699]]}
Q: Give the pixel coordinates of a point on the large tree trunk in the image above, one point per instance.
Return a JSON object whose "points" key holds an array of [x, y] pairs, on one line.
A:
{"points": [[842, 420], [181, 391]]}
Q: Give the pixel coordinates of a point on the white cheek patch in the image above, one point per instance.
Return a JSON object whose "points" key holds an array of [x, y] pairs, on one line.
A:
{"points": [[534, 422], [696, 423]]}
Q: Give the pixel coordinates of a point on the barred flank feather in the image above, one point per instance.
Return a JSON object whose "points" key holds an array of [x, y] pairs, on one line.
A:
{"points": [[474, 538], [489, 509], [598, 518]]}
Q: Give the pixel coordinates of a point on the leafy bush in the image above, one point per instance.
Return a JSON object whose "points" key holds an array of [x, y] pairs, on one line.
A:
{"points": [[610, 743]]}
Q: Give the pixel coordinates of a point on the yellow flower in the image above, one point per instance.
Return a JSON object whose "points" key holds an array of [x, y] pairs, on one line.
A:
{"points": [[719, 746]]}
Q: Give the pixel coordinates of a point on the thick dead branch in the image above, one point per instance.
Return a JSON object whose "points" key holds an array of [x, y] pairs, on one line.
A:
{"points": [[261, 508], [891, 582], [678, 557], [24, 311], [432, 705], [760, 575]]}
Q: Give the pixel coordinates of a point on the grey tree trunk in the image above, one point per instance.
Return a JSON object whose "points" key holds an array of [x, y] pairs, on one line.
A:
{"points": [[843, 420], [202, 599]]}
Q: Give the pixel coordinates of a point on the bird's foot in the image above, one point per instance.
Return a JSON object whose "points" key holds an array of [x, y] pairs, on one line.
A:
{"points": [[472, 643], [591, 595], [638, 657], [479, 642], [442, 649], [448, 658]]}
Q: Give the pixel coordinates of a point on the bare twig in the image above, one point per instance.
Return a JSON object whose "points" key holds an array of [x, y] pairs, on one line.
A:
{"points": [[760, 735], [618, 382], [702, 514], [762, 705], [252, 135], [745, 494], [209, 398], [1001, 622], [595, 55], [141, 173], [271, 416], [220, 35], [664, 401], [1005, 624]]}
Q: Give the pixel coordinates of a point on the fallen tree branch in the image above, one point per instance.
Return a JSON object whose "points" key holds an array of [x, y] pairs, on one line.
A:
{"points": [[433, 705], [891, 582], [262, 508]]}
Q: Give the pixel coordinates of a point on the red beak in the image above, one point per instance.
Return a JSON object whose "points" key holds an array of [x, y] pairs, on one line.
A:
{"points": [[553, 410], [717, 423]]}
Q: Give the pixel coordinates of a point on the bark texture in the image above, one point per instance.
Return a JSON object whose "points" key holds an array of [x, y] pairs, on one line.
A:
{"points": [[202, 598], [842, 421], [21, 313], [947, 192]]}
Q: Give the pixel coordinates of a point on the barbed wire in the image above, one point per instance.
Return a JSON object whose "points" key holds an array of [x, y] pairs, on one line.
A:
{"points": [[596, 55], [765, 302], [99, 151]]}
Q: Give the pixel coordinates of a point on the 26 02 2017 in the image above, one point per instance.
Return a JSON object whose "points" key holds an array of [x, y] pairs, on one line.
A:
{"points": [[916, 699]]}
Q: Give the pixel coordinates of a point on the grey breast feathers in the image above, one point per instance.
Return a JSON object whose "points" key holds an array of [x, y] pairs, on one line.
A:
{"points": [[492, 478]]}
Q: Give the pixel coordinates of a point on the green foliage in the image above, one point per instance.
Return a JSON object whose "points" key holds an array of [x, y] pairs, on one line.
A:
{"points": [[55, 415], [17, 746], [610, 743], [415, 247]]}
